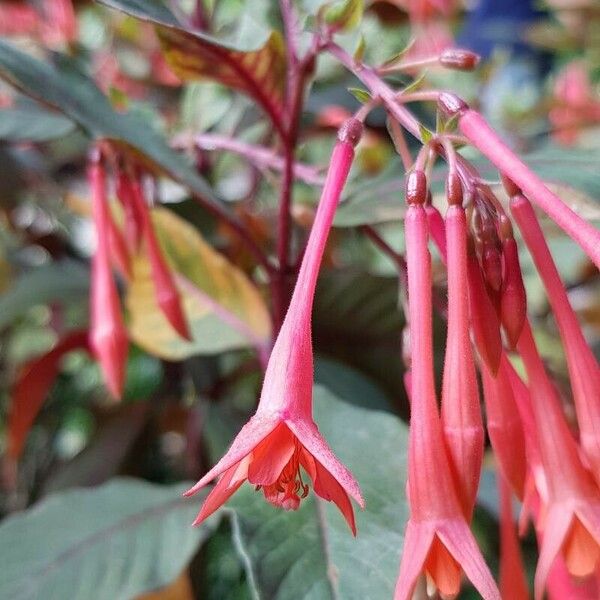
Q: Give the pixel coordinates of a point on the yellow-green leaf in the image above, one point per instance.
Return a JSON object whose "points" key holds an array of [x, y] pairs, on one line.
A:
{"points": [[345, 14], [258, 70], [225, 310]]}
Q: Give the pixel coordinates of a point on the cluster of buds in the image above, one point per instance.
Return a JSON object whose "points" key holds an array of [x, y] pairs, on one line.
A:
{"points": [[554, 474], [115, 248]]}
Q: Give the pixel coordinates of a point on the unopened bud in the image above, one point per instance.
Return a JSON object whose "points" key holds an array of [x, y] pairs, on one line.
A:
{"points": [[450, 104], [484, 318], [416, 187], [510, 186], [492, 266], [351, 131], [454, 189], [513, 299], [459, 59]]}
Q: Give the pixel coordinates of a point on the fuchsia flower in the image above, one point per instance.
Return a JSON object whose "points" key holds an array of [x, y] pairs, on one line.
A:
{"points": [[461, 416], [108, 336], [138, 224], [584, 371], [282, 436], [570, 519], [438, 541]]}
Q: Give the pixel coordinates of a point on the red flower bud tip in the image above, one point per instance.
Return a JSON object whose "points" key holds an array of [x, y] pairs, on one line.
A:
{"points": [[513, 299], [282, 436], [484, 318], [492, 266], [454, 189], [416, 187], [461, 415], [133, 220], [583, 368], [450, 104], [459, 59], [438, 541], [118, 249], [167, 295], [504, 427], [511, 188], [350, 132], [437, 229], [108, 337]]}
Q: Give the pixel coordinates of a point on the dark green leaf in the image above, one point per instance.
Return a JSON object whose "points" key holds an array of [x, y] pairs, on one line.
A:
{"points": [[32, 123], [67, 89], [115, 541], [60, 281]]}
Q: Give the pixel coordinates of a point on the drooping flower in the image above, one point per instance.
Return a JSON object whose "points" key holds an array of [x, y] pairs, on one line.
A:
{"points": [[461, 414], [282, 436], [438, 541], [504, 426], [108, 337], [167, 295], [570, 519], [584, 371]]}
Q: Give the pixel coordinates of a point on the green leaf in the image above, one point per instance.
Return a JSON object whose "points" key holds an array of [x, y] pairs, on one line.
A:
{"points": [[374, 200], [361, 95], [59, 281], [32, 123], [426, 134], [361, 47], [357, 321], [115, 541], [257, 69], [345, 14], [224, 308], [67, 89], [311, 553]]}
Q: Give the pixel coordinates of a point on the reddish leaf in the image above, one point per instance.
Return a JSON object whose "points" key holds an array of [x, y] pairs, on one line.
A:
{"points": [[32, 386], [258, 72]]}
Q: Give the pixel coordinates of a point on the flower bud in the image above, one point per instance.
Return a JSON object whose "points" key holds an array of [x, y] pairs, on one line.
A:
{"points": [[454, 189], [351, 131], [512, 189], [108, 337], [450, 104], [513, 300], [416, 187], [459, 59], [491, 262], [484, 319]]}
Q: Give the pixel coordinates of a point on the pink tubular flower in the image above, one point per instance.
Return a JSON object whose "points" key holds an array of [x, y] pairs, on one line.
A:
{"points": [[167, 295], [583, 369], [61, 22], [504, 426], [484, 318], [108, 337], [461, 415], [513, 584], [570, 521], [513, 300], [282, 436], [475, 128], [438, 540]]}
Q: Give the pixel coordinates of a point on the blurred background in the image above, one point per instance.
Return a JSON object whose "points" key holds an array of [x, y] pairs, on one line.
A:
{"points": [[62, 435]]}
